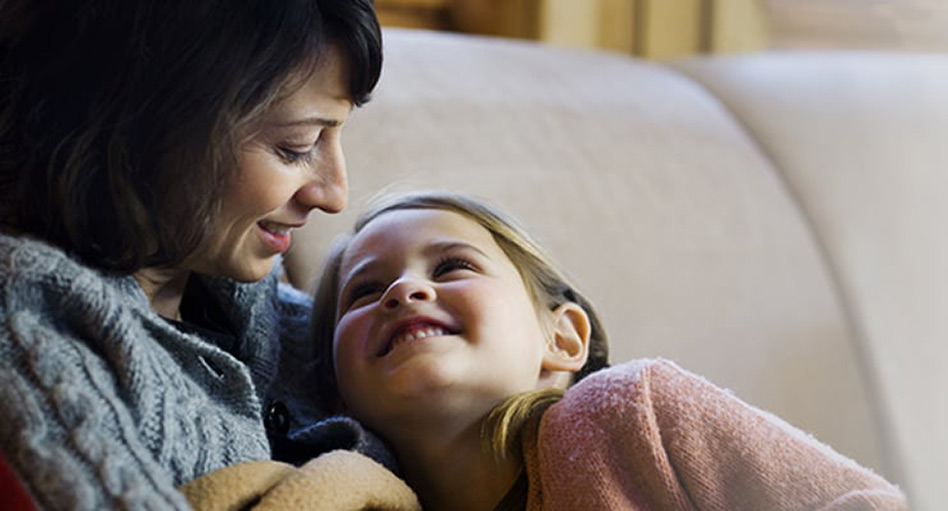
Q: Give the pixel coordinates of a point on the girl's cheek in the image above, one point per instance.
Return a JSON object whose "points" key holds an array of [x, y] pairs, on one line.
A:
{"points": [[344, 342]]}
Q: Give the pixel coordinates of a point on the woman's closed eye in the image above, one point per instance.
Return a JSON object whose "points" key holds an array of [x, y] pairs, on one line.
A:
{"points": [[296, 156], [299, 152], [293, 157]]}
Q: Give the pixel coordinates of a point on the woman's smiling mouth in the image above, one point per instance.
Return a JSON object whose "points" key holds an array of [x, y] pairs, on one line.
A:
{"points": [[275, 235]]}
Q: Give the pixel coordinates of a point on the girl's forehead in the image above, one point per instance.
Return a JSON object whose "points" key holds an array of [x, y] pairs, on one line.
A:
{"points": [[400, 231], [421, 225]]}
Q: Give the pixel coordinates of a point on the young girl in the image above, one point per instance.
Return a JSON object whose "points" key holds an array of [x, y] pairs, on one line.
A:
{"points": [[442, 327]]}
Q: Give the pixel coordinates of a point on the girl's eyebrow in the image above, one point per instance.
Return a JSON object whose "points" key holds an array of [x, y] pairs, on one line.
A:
{"points": [[439, 247], [362, 267]]}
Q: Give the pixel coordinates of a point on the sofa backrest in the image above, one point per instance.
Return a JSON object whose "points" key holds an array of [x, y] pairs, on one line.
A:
{"points": [[653, 196], [862, 142]]}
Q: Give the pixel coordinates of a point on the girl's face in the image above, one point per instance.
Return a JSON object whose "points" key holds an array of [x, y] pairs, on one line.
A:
{"points": [[432, 314], [293, 164]]}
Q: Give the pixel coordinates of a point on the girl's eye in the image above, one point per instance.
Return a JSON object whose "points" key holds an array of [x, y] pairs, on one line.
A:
{"points": [[452, 264], [362, 293]]}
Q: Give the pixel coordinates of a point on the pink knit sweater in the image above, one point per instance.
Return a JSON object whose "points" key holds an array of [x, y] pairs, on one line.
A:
{"points": [[647, 435]]}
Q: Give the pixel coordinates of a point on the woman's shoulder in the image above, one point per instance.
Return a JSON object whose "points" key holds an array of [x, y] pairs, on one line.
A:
{"points": [[29, 257], [27, 260], [37, 276], [20, 249]]}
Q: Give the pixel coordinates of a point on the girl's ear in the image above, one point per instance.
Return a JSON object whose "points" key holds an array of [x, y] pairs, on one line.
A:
{"points": [[568, 345]]}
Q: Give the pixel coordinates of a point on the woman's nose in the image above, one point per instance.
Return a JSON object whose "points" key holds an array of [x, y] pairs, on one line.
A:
{"points": [[327, 186], [407, 290]]}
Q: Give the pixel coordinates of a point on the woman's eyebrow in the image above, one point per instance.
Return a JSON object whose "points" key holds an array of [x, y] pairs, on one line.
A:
{"points": [[310, 121]]}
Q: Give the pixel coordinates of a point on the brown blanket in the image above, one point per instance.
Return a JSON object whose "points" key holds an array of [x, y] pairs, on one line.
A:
{"points": [[337, 480]]}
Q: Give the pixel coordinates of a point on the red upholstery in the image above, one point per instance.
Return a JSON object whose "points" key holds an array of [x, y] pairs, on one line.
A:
{"points": [[13, 496]]}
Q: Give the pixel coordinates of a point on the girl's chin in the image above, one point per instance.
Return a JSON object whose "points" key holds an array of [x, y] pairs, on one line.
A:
{"points": [[420, 405]]}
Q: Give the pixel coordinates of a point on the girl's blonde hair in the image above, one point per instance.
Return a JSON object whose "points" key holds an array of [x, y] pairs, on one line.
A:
{"points": [[547, 285]]}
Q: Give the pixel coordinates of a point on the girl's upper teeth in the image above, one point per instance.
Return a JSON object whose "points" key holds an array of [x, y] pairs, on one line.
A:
{"points": [[415, 334]]}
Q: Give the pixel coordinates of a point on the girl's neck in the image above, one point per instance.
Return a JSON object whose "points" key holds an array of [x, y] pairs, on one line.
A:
{"points": [[453, 470], [164, 289]]}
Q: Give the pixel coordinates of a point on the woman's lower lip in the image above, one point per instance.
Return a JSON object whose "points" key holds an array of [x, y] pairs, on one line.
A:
{"points": [[278, 242]]}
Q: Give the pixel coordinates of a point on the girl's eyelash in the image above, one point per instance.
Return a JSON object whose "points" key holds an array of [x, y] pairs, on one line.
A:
{"points": [[361, 290], [443, 266], [451, 263]]}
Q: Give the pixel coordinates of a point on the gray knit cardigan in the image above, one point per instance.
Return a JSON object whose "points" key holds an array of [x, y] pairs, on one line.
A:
{"points": [[104, 404]]}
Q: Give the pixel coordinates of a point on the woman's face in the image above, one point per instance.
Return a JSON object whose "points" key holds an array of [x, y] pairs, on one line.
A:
{"points": [[290, 166]]}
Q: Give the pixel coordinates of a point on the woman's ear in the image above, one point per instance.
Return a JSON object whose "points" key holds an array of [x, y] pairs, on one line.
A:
{"points": [[568, 345]]}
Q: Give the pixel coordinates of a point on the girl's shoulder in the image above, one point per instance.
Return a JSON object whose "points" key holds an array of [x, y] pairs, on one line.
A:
{"points": [[632, 388], [645, 374]]}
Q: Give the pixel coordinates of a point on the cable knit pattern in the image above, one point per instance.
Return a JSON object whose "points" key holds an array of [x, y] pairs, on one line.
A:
{"points": [[653, 436], [103, 404]]}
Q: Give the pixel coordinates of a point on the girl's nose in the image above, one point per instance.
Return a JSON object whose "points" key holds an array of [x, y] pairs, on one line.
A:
{"points": [[407, 290]]}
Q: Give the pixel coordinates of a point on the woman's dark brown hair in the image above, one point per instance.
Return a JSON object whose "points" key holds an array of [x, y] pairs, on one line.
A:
{"points": [[120, 119]]}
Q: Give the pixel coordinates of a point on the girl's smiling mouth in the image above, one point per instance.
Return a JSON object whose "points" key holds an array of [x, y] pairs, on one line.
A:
{"points": [[412, 330]]}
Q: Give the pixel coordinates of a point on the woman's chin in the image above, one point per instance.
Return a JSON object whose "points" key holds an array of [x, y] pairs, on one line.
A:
{"points": [[246, 271]]}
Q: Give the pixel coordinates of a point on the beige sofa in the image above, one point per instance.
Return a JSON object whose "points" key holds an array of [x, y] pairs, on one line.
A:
{"points": [[776, 222]]}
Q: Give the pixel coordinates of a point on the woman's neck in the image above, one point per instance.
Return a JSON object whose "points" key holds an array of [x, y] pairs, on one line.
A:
{"points": [[164, 289], [451, 469]]}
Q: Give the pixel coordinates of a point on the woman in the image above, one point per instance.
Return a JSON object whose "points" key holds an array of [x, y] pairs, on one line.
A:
{"points": [[155, 156]]}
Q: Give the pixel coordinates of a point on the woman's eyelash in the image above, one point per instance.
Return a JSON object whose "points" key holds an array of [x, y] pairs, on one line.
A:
{"points": [[291, 156]]}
